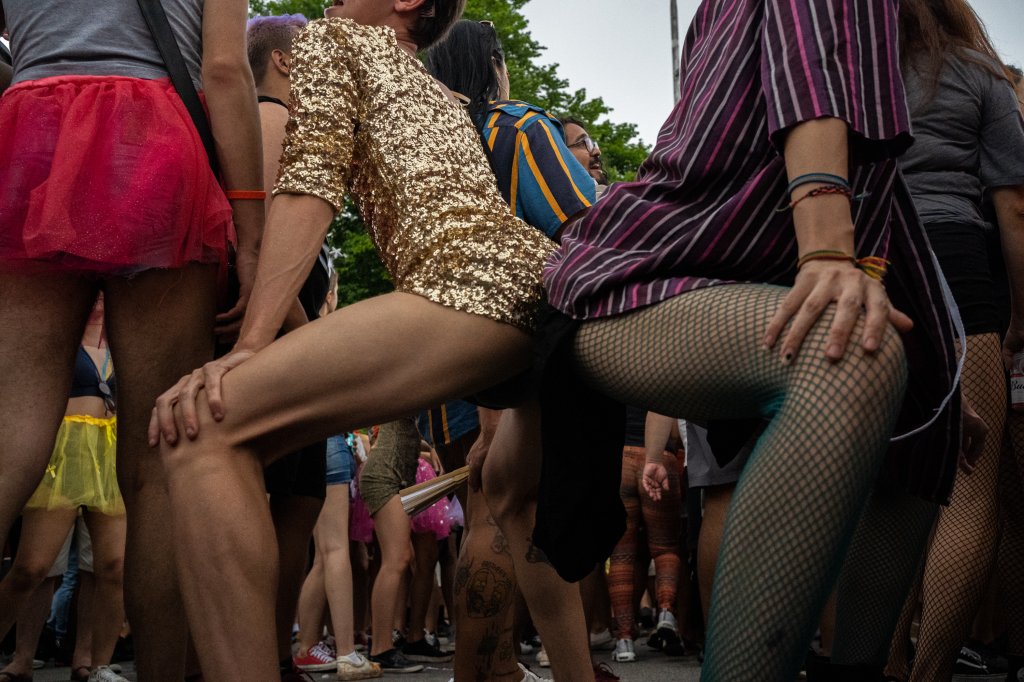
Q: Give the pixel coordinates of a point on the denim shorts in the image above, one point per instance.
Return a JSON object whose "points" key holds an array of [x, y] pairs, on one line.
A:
{"points": [[340, 462]]}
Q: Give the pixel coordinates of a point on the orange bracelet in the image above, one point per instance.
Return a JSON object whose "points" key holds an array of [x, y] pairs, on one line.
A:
{"points": [[244, 194]]}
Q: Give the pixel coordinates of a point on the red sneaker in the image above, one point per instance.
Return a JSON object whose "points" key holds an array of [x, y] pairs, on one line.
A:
{"points": [[317, 660]]}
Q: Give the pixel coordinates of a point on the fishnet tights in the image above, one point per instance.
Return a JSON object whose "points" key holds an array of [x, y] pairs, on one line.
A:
{"points": [[662, 522], [883, 561], [962, 551], [1011, 550], [699, 356]]}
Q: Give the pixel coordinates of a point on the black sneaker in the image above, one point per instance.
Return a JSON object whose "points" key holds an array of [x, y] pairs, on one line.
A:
{"points": [[393, 662], [425, 652], [970, 662]]}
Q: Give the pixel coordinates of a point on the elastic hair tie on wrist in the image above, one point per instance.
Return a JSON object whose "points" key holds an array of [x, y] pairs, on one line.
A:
{"points": [[245, 194], [808, 178]]}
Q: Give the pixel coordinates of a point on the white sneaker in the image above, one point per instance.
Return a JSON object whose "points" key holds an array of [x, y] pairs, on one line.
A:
{"points": [[601, 641], [105, 674], [624, 652], [356, 667], [667, 623], [542, 658], [530, 676], [668, 631]]}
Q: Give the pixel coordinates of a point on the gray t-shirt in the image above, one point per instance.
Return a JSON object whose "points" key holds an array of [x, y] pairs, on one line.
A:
{"points": [[968, 137], [89, 38]]}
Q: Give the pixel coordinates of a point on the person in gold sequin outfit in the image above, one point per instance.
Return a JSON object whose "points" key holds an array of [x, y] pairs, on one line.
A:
{"points": [[368, 121]]}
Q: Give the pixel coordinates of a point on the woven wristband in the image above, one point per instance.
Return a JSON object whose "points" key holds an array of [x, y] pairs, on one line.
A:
{"points": [[824, 254]]}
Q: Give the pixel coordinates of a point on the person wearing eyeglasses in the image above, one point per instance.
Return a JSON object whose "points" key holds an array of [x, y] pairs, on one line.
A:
{"points": [[538, 174], [586, 150]]}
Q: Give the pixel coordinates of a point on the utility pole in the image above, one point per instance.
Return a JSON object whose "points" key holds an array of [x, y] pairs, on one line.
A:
{"points": [[675, 49]]}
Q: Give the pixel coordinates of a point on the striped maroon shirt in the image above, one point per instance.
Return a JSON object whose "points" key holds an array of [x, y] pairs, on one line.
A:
{"points": [[703, 209]]}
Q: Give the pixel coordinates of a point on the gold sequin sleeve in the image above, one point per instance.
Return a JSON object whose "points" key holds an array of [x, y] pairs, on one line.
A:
{"points": [[317, 155]]}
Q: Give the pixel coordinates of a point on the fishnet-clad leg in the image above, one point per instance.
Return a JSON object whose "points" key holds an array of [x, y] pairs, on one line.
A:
{"points": [[962, 553], [1011, 554], [699, 356], [622, 565], [884, 560], [900, 653]]}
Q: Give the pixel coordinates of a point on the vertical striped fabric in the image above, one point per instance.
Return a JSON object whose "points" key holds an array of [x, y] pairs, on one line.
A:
{"points": [[702, 211]]}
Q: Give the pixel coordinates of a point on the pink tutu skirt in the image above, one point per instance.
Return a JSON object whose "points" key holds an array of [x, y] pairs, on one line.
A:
{"points": [[105, 175], [360, 523], [437, 518]]}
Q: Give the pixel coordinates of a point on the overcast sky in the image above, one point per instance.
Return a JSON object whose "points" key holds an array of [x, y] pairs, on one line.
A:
{"points": [[622, 51]]}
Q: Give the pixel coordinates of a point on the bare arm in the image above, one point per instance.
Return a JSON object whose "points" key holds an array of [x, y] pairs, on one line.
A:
{"points": [[234, 118], [296, 228], [273, 119], [657, 431], [1009, 205], [826, 223]]}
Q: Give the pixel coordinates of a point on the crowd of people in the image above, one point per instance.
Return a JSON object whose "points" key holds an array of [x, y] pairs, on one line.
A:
{"points": [[752, 406]]}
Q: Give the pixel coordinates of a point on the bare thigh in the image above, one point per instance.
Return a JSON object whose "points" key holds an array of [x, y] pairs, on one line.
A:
{"points": [[368, 363], [42, 318], [160, 324]]}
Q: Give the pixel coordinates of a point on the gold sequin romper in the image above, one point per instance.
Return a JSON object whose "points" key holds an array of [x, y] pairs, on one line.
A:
{"points": [[367, 119]]}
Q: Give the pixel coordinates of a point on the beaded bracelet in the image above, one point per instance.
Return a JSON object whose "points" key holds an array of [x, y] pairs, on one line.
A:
{"points": [[245, 194]]}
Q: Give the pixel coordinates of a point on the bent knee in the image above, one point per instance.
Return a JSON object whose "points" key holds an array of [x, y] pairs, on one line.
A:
{"points": [[886, 367], [333, 552], [27, 575], [213, 437], [402, 560], [109, 570]]}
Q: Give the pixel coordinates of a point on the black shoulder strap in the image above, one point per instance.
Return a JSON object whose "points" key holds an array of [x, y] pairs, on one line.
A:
{"points": [[170, 51]]}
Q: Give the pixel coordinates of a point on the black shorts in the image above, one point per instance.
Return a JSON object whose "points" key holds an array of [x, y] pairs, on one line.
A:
{"points": [[962, 251], [302, 473]]}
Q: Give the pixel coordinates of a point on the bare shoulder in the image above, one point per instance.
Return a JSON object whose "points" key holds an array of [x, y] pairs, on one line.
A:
{"points": [[272, 113]]}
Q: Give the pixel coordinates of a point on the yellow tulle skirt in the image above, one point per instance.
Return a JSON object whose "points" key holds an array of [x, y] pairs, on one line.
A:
{"points": [[82, 470]]}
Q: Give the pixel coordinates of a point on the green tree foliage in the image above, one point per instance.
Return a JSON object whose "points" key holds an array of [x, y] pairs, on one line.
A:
{"points": [[359, 270], [539, 84]]}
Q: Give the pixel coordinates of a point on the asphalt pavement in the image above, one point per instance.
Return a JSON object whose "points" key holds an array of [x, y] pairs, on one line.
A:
{"points": [[650, 666]]}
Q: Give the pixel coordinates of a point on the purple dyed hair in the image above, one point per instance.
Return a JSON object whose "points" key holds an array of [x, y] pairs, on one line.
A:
{"points": [[266, 34]]}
